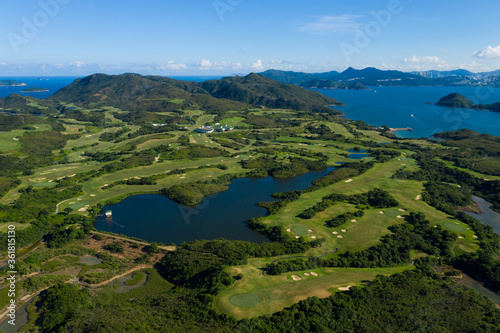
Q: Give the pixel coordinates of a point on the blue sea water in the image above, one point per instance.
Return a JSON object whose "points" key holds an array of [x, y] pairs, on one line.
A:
{"points": [[399, 107], [51, 83]]}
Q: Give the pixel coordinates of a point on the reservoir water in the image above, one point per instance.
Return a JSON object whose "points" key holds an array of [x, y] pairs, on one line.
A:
{"points": [[401, 107], [488, 216], [156, 218]]}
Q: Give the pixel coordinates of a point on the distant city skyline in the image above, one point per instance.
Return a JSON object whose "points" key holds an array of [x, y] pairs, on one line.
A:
{"points": [[226, 37]]}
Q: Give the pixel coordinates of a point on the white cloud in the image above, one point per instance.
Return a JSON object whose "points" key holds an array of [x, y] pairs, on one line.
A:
{"points": [[258, 65], [3, 63], [425, 60], [171, 65], [325, 25], [205, 63], [488, 53], [475, 67], [59, 65], [77, 64]]}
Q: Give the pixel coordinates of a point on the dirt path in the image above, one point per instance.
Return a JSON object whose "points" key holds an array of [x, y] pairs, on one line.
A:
{"points": [[57, 206], [166, 248], [136, 268]]}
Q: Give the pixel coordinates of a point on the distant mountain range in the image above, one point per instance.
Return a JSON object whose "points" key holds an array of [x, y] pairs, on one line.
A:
{"points": [[375, 77]]}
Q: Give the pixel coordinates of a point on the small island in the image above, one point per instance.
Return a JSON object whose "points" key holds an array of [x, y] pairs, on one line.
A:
{"points": [[11, 83], [456, 100], [34, 89]]}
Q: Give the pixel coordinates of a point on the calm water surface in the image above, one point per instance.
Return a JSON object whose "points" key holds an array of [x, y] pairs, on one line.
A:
{"points": [[399, 107], [488, 216], [156, 218]]}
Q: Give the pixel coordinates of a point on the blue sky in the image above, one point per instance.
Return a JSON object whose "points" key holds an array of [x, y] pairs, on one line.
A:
{"points": [[224, 37]]}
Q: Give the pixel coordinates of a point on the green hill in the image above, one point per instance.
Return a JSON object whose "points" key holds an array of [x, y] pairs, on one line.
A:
{"points": [[455, 101], [154, 93], [259, 90]]}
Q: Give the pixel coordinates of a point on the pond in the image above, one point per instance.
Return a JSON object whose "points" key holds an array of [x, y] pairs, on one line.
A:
{"points": [[21, 320], [156, 218], [488, 216]]}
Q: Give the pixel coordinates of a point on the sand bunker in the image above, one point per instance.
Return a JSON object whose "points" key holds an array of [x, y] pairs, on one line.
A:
{"points": [[334, 232], [297, 237], [401, 210], [343, 230], [354, 220], [475, 236], [92, 195], [82, 209], [349, 180], [310, 230], [306, 274], [289, 230], [419, 197], [314, 273], [345, 288], [296, 277], [399, 217], [340, 236], [461, 237], [381, 212], [313, 237]]}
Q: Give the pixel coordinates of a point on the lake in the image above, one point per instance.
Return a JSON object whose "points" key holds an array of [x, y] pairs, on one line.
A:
{"points": [[155, 218], [399, 107], [488, 216]]}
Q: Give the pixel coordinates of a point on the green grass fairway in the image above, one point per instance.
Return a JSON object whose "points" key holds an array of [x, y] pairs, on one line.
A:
{"points": [[244, 300], [454, 227], [256, 295], [300, 230], [5, 226]]}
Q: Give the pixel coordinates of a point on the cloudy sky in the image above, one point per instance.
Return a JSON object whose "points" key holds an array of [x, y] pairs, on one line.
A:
{"points": [[224, 37]]}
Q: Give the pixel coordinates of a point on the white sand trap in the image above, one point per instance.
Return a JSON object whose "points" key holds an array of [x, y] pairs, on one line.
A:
{"points": [[313, 237], [340, 236], [403, 164], [237, 156], [296, 277], [343, 230], [71, 203], [381, 212], [354, 220], [289, 230], [475, 236], [349, 180], [17, 139], [105, 185], [182, 177], [345, 288], [82, 209], [88, 136], [419, 197], [310, 230], [401, 210], [314, 273], [399, 217], [461, 237], [306, 274], [435, 226], [334, 232], [457, 223], [92, 195], [79, 199], [297, 237], [50, 181]]}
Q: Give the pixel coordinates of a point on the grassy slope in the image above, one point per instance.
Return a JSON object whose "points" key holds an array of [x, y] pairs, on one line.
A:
{"points": [[277, 292]]}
